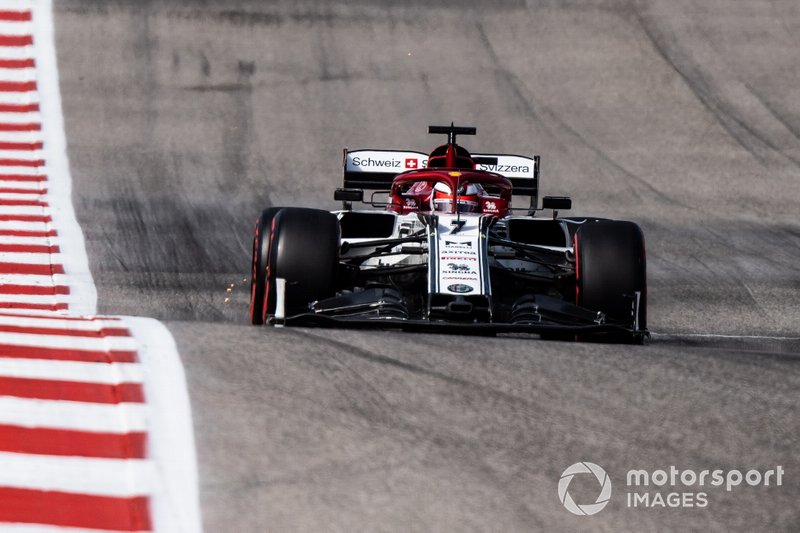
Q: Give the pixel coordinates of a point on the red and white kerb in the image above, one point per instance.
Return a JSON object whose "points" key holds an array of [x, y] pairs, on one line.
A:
{"points": [[89, 439]]}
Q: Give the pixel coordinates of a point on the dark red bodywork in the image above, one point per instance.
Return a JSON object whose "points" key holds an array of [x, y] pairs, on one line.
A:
{"points": [[450, 164]]}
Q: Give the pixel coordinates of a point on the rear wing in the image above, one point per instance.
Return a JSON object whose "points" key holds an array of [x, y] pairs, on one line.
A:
{"points": [[523, 172], [376, 169]]}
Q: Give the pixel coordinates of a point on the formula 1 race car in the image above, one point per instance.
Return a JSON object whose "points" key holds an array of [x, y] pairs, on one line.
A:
{"points": [[448, 252]]}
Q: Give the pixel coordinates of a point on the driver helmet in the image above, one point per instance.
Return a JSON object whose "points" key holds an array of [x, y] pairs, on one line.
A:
{"points": [[468, 201]]}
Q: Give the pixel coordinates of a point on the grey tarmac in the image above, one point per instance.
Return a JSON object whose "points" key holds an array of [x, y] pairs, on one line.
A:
{"points": [[185, 119]]}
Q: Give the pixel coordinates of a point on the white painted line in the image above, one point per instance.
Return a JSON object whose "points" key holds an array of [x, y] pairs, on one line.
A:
{"points": [[23, 171], [175, 502], [18, 136], [15, 5], [8, 183], [78, 416], [27, 279], [67, 342], [17, 225], [36, 241], [30, 299], [64, 319], [20, 209], [23, 311], [21, 154], [31, 185], [105, 373], [29, 117], [17, 98], [83, 297], [22, 27], [48, 321], [23, 196], [16, 52], [17, 74], [122, 478], [723, 336], [30, 259]]}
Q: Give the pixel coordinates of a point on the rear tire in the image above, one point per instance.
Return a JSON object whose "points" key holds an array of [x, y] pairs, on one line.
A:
{"points": [[258, 275], [305, 252], [610, 269]]}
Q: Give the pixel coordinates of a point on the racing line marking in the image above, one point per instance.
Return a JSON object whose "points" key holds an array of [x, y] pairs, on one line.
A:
{"points": [[95, 425], [723, 336]]}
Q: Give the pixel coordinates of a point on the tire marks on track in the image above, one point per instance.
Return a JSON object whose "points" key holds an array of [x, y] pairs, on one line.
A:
{"points": [[756, 128], [545, 116]]}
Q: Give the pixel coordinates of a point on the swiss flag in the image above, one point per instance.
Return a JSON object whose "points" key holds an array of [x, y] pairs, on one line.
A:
{"points": [[411, 163]]}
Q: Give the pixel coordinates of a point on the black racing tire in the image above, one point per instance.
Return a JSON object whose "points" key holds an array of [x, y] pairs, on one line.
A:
{"points": [[305, 252], [610, 268], [258, 274]]}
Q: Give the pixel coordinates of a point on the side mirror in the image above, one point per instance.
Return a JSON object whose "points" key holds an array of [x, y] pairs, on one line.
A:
{"points": [[377, 203], [556, 202], [348, 195]]}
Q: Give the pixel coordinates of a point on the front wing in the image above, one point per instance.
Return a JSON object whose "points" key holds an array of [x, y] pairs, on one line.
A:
{"points": [[445, 326], [538, 314]]}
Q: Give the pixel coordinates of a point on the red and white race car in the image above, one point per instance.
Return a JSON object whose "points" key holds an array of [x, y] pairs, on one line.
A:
{"points": [[447, 251]]}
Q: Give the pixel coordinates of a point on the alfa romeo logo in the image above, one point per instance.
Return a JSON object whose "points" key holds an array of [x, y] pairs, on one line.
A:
{"points": [[589, 508], [459, 288]]}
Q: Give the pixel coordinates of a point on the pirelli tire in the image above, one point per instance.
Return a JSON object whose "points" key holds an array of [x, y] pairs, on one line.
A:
{"points": [[304, 250], [611, 273], [258, 275]]}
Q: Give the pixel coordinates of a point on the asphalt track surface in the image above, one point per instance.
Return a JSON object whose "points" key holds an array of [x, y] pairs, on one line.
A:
{"points": [[184, 119]]}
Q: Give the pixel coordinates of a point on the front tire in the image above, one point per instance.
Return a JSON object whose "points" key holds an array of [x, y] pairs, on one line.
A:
{"points": [[305, 252], [258, 274], [610, 271]]}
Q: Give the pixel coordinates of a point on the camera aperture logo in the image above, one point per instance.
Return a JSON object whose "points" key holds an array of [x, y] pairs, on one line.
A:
{"points": [[670, 487], [586, 509]]}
